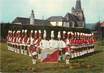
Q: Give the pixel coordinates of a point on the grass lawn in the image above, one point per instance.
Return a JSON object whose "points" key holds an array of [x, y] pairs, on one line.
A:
{"points": [[12, 62]]}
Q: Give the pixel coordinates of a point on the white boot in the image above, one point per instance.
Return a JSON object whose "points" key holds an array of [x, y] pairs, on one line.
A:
{"points": [[17, 50], [21, 51], [34, 61], [25, 52], [67, 61]]}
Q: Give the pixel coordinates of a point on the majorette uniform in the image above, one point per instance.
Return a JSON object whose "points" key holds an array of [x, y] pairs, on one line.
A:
{"points": [[52, 43], [30, 42], [25, 44], [32, 50], [22, 41], [44, 43], [35, 49], [8, 39], [17, 41], [60, 45], [67, 42], [16, 36], [13, 41]]}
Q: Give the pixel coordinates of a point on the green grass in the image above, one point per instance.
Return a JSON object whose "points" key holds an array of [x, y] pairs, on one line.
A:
{"points": [[12, 62]]}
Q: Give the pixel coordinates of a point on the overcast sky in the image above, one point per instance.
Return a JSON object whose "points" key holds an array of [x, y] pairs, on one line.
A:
{"points": [[10, 9]]}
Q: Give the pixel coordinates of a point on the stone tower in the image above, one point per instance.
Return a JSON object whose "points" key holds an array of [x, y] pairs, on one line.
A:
{"points": [[77, 11], [32, 17]]}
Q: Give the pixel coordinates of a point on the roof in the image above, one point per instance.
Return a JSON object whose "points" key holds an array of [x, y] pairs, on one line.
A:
{"points": [[71, 17], [26, 21], [55, 18]]}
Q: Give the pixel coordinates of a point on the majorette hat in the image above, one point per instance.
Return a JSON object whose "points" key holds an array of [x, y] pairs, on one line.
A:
{"points": [[52, 34], [59, 35], [92, 34], [39, 33], [78, 33], [44, 34], [81, 34], [35, 34], [68, 34], [64, 34], [17, 32], [31, 31], [25, 31], [9, 31], [72, 33]]}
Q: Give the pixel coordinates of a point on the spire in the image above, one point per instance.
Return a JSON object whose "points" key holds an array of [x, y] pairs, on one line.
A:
{"points": [[78, 5], [32, 18]]}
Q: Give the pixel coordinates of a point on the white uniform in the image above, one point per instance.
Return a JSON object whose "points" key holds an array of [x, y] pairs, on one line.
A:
{"points": [[44, 44], [61, 44], [53, 44]]}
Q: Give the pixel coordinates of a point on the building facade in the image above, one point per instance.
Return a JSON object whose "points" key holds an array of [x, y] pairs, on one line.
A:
{"points": [[75, 19]]}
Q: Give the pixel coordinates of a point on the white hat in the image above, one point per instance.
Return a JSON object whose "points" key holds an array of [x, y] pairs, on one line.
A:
{"points": [[25, 31], [34, 53], [9, 31], [35, 31], [31, 31], [68, 32], [22, 31], [78, 33], [71, 33], [67, 53], [52, 33], [39, 31], [19, 31], [92, 34], [81, 33], [64, 32], [44, 35], [59, 35]]}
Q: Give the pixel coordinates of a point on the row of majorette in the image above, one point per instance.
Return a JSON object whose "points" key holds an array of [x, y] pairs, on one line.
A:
{"points": [[77, 44], [77, 39]]}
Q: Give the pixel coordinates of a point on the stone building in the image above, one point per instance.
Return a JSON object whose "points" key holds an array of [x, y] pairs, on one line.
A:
{"points": [[75, 19]]}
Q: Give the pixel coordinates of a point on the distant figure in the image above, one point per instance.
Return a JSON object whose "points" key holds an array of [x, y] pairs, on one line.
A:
{"points": [[52, 42]]}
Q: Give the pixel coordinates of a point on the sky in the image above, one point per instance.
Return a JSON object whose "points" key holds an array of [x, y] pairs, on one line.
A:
{"points": [[10, 9]]}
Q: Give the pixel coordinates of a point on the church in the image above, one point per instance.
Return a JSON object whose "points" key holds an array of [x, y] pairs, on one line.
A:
{"points": [[75, 19]]}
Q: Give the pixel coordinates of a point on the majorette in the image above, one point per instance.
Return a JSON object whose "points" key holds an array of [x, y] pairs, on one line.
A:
{"points": [[22, 42], [44, 43], [30, 41], [25, 43], [17, 42], [8, 39], [13, 41], [34, 49]]}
